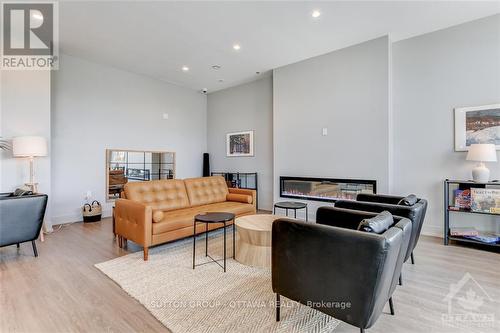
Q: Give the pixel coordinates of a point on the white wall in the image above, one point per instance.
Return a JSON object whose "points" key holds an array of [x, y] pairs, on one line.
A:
{"points": [[25, 110], [346, 91], [433, 74], [245, 107], [97, 107]]}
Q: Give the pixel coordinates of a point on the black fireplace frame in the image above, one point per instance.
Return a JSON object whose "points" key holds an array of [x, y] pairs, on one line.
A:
{"points": [[333, 180]]}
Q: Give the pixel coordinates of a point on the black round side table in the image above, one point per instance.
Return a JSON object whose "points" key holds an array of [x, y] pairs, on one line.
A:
{"points": [[294, 205], [207, 218]]}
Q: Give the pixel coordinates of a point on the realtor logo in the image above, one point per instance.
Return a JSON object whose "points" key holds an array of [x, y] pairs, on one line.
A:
{"points": [[29, 35], [466, 300]]}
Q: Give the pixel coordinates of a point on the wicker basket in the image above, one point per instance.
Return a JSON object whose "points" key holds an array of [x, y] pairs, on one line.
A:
{"points": [[92, 212]]}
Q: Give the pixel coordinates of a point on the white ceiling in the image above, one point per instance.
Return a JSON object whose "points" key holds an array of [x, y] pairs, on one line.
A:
{"points": [[157, 38]]}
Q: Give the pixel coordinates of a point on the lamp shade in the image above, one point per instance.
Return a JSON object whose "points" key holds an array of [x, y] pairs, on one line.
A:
{"points": [[482, 153], [29, 146]]}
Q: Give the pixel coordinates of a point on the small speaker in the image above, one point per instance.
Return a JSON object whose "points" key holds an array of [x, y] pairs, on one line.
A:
{"points": [[206, 165]]}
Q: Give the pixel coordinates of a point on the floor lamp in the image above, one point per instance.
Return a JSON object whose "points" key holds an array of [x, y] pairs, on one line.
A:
{"points": [[30, 147]]}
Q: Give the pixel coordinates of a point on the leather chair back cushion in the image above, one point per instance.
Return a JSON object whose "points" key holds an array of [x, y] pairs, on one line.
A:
{"points": [[21, 218], [164, 194], [206, 190], [329, 271]]}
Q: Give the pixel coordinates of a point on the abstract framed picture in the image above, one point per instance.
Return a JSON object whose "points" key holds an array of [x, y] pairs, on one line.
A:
{"points": [[239, 144], [479, 124]]}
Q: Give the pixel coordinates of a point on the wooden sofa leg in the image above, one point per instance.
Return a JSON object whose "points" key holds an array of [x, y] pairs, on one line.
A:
{"points": [[120, 241], [146, 250]]}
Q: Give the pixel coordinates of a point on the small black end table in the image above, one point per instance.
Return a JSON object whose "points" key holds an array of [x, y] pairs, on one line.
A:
{"points": [[294, 205], [212, 218]]}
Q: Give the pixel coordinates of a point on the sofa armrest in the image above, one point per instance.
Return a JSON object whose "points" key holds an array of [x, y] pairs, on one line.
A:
{"points": [[317, 264], [381, 198], [245, 191], [133, 220]]}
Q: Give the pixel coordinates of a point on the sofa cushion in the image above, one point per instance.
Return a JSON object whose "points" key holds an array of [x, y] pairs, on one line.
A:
{"points": [[377, 224], [239, 198], [409, 200], [164, 194], [206, 190], [236, 208], [182, 218]]}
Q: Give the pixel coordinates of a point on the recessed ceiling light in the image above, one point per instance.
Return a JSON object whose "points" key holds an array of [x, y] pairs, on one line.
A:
{"points": [[316, 13], [37, 15], [185, 68], [237, 47], [216, 67]]}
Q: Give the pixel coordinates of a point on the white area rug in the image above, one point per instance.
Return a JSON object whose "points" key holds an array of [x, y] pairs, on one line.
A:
{"points": [[207, 299]]}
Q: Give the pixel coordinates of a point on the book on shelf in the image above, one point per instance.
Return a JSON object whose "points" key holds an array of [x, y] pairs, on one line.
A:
{"points": [[464, 232], [485, 200], [462, 199], [485, 237]]}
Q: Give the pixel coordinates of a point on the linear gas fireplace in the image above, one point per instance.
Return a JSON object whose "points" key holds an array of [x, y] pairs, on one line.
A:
{"points": [[324, 189]]}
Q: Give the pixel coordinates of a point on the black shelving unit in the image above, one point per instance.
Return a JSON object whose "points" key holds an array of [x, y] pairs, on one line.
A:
{"points": [[245, 180], [448, 207]]}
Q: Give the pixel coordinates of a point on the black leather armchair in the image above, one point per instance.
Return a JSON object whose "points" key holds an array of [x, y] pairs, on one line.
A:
{"points": [[330, 263], [21, 218], [378, 203]]}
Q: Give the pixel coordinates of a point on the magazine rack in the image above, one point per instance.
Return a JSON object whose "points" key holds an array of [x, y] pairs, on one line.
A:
{"points": [[450, 207]]}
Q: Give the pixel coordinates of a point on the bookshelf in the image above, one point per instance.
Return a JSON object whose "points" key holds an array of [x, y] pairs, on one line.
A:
{"points": [[449, 187]]}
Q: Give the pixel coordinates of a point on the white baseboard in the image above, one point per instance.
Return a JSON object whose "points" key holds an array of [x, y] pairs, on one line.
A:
{"points": [[76, 217], [432, 230]]}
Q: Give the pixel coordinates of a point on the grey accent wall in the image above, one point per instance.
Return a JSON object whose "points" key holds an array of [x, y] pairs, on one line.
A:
{"points": [[97, 107], [25, 110], [245, 107], [433, 74], [346, 91]]}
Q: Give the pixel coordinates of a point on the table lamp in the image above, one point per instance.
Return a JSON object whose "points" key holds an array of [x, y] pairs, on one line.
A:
{"points": [[481, 153], [31, 147]]}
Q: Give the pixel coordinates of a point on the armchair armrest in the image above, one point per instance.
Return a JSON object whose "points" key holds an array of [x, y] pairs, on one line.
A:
{"points": [[133, 220], [244, 191], [381, 198], [318, 265]]}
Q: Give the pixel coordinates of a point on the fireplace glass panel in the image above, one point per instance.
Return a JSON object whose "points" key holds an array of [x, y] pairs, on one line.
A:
{"points": [[324, 189]]}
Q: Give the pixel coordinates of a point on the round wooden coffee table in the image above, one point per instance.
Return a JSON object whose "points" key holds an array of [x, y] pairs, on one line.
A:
{"points": [[253, 247]]}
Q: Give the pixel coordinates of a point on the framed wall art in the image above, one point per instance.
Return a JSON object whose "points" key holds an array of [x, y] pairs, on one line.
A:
{"points": [[479, 124], [239, 144]]}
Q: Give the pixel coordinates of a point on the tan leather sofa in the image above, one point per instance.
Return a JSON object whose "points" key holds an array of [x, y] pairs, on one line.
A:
{"points": [[159, 211]]}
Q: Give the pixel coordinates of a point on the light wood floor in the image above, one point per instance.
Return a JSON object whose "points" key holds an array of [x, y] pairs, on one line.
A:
{"points": [[61, 291]]}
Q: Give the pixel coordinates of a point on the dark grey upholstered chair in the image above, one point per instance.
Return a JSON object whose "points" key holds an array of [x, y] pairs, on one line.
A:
{"points": [[331, 261], [378, 203], [21, 218]]}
